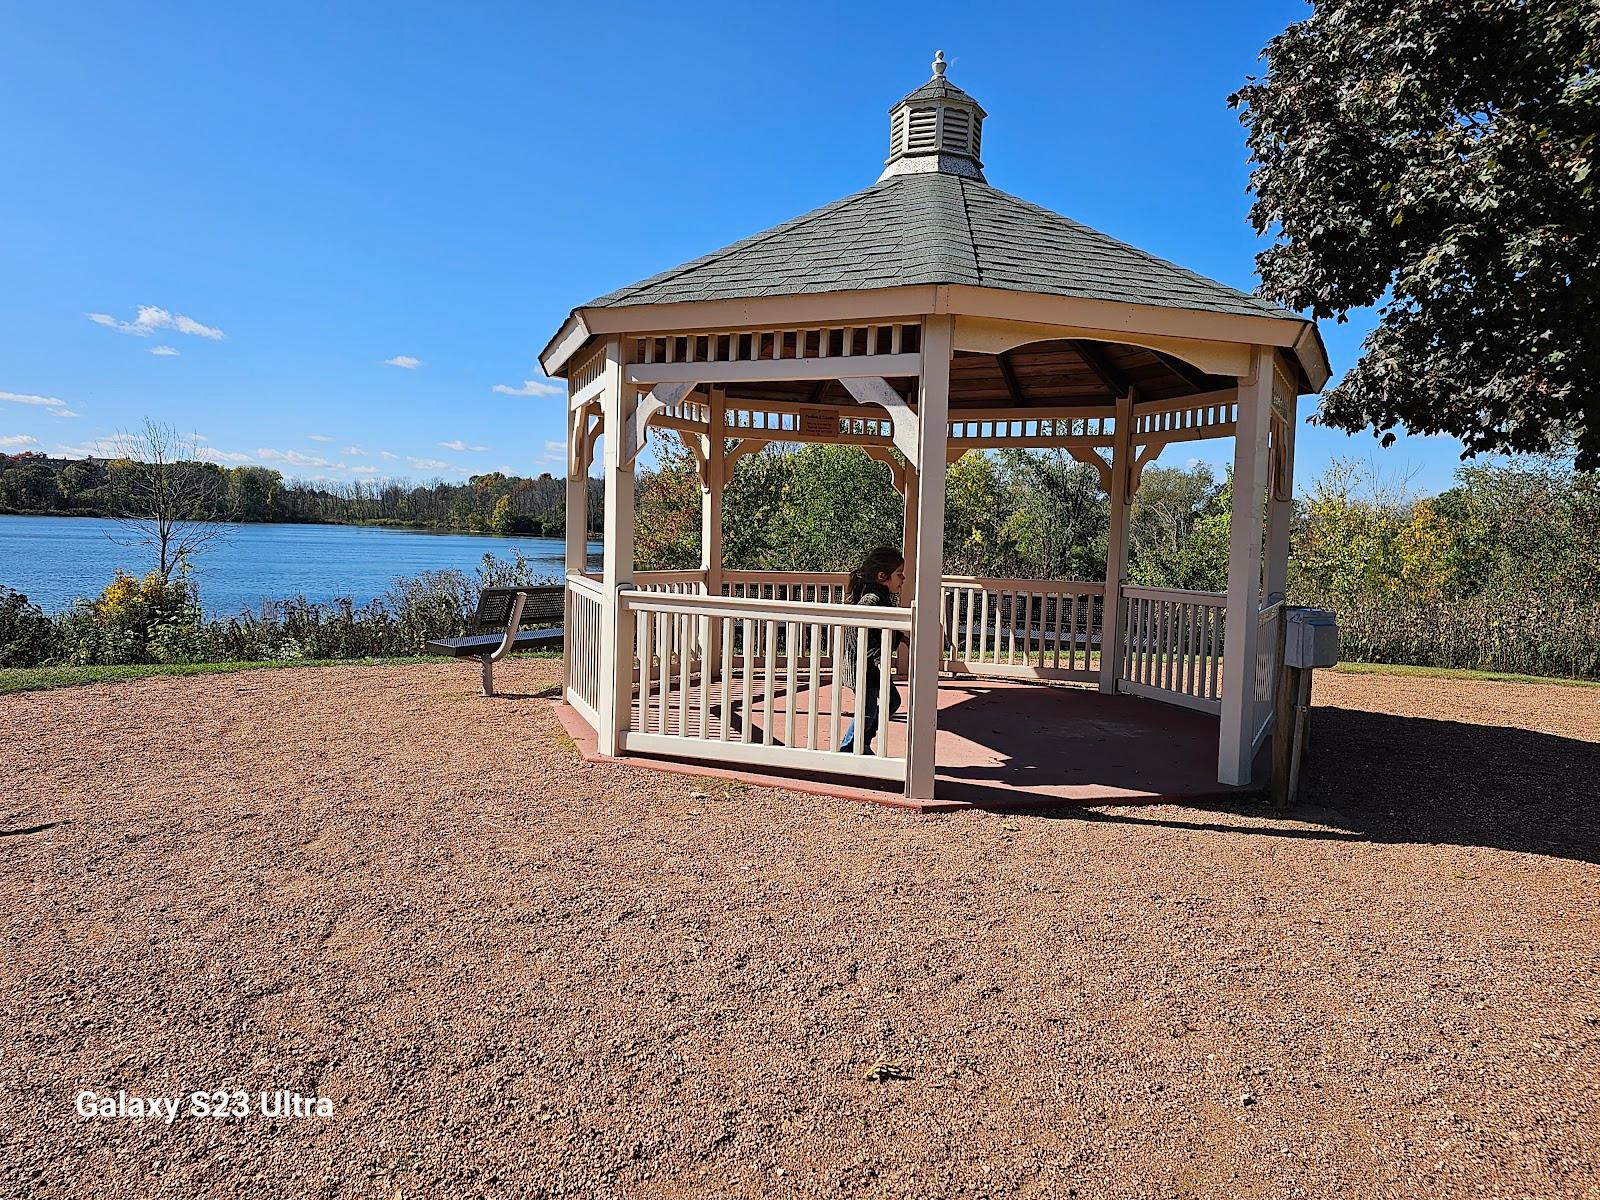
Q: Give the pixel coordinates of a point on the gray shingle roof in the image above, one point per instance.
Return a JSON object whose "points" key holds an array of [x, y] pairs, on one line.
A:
{"points": [[938, 228], [938, 88]]}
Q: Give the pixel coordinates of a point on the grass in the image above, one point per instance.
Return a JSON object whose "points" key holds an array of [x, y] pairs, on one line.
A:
{"points": [[1361, 668], [33, 679]]}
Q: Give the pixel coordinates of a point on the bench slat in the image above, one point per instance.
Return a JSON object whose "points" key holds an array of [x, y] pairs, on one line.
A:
{"points": [[544, 605], [479, 645]]}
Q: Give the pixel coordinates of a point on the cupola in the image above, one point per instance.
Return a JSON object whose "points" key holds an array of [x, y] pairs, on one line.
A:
{"points": [[937, 128]]}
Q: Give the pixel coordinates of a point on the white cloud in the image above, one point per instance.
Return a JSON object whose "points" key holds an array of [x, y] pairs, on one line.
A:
{"points": [[403, 360], [150, 319], [458, 445], [433, 464], [386, 454], [555, 454], [293, 458], [185, 325], [15, 441], [318, 437], [363, 470], [207, 454], [164, 352], [52, 405], [354, 451], [530, 387]]}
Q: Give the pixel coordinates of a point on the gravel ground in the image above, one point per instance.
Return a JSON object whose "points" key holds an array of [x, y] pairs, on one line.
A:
{"points": [[513, 973]]}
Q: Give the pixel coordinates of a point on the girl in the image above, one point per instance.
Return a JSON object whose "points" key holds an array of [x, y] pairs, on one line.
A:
{"points": [[877, 580]]}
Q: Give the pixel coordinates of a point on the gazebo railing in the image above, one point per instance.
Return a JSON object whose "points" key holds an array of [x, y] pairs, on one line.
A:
{"points": [[811, 587], [753, 675], [1022, 628], [750, 681], [585, 628], [683, 583], [1172, 646]]}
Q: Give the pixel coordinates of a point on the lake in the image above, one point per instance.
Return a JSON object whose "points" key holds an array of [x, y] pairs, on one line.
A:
{"points": [[56, 559]]}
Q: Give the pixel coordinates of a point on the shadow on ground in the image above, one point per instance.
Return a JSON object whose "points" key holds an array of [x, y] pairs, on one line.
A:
{"points": [[1377, 777]]}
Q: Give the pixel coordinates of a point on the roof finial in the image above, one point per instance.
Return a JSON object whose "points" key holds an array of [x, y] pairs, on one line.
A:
{"points": [[939, 64]]}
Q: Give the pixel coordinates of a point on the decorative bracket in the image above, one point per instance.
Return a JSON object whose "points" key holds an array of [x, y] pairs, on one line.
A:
{"points": [[1093, 457], [662, 396], [1148, 453], [694, 444], [737, 451], [877, 391], [581, 434], [897, 466]]}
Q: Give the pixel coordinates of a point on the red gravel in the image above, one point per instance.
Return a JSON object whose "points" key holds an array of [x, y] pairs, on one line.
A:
{"points": [[513, 973]]}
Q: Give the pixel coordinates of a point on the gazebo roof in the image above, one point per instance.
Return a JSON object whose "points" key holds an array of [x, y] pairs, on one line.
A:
{"points": [[938, 228], [932, 220]]}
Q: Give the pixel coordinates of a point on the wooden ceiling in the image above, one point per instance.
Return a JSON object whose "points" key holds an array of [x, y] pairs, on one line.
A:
{"points": [[1038, 375]]}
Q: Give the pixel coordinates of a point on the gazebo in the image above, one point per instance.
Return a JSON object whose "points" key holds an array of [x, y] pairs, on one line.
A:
{"points": [[923, 318]]}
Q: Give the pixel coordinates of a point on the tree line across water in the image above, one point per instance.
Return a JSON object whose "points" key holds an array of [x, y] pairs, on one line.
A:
{"points": [[103, 487]]}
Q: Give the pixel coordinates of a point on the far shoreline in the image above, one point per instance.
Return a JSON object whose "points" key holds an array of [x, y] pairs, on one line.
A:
{"points": [[400, 526]]}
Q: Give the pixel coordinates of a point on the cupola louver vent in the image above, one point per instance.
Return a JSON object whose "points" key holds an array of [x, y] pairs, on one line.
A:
{"points": [[936, 128]]}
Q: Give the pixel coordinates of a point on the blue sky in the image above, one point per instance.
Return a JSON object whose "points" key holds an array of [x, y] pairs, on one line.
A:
{"points": [[347, 225]]}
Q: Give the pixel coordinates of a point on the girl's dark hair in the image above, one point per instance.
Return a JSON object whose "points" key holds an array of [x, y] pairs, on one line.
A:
{"points": [[885, 560]]}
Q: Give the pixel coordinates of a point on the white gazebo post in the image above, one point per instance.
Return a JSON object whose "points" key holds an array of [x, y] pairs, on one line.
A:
{"points": [[908, 544], [908, 541], [927, 632], [620, 402], [578, 460], [1241, 629], [579, 449], [1121, 477], [713, 480]]}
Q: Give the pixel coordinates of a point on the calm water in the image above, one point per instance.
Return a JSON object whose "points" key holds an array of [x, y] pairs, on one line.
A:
{"points": [[56, 559]]}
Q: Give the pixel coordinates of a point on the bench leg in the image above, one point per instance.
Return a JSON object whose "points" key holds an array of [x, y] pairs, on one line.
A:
{"points": [[488, 676]]}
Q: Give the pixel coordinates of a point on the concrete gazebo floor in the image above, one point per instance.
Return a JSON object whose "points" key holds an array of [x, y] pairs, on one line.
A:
{"points": [[1013, 746]]}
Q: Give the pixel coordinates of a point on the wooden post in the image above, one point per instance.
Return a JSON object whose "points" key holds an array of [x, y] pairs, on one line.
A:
{"points": [[1280, 506], [909, 527], [1116, 545], [577, 531], [578, 460], [1283, 718], [711, 491], [1236, 736], [616, 645], [1275, 571], [933, 430]]}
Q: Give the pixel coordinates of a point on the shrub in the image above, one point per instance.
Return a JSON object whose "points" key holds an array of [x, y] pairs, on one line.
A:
{"points": [[433, 604], [1526, 633], [149, 620], [28, 638]]}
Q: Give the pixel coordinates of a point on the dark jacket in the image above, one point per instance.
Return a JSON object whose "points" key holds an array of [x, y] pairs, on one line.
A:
{"points": [[873, 654]]}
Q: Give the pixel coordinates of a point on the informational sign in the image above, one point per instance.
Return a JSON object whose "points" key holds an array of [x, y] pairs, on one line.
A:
{"points": [[819, 422]]}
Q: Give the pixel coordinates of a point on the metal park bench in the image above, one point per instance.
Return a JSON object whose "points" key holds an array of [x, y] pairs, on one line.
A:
{"points": [[506, 609]]}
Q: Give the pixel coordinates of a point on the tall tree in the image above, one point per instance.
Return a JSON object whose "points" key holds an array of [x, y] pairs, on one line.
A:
{"points": [[1438, 156]]}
